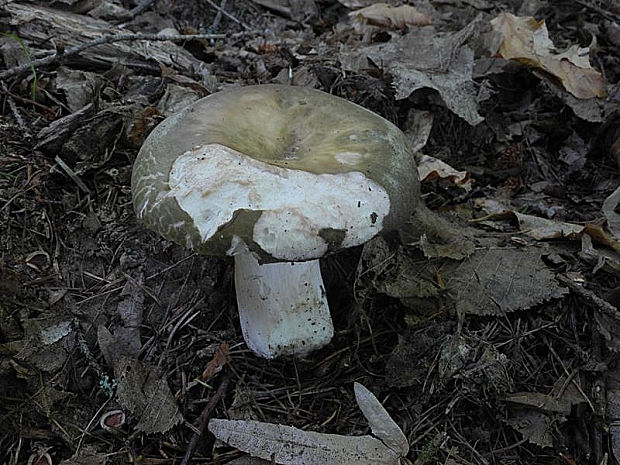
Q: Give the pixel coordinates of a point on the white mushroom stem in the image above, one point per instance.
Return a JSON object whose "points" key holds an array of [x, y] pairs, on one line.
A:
{"points": [[282, 306]]}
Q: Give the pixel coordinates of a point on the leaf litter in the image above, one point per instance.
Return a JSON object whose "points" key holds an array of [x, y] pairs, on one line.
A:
{"points": [[527, 40], [423, 58], [291, 446], [461, 327], [494, 280], [388, 16], [147, 396]]}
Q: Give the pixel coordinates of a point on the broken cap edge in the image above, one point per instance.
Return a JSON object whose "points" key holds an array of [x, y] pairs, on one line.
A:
{"points": [[161, 212]]}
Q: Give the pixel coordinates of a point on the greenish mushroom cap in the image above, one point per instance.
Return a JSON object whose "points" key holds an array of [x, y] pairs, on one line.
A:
{"points": [[221, 171]]}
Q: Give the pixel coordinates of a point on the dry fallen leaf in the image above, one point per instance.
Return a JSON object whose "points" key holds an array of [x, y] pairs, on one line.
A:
{"points": [[498, 280], [215, 365], [418, 129], [594, 110], [611, 209], [431, 168], [146, 394], [526, 40], [353, 4], [287, 445], [538, 415], [141, 124], [423, 58], [47, 342], [535, 427], [80, 87], [87, 455], [598, 259], [493, 280], [545, 229], [380, 421], [393, 17]]}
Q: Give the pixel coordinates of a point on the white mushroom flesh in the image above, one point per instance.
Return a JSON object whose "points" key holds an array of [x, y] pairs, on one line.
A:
{"points": [[282, 306], [212, 182]]}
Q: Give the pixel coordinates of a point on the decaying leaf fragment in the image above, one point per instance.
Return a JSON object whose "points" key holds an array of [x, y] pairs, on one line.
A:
{"points": [[526, 39], [393, 17], [220, 358], [496, 281], [423, 58], [545, 229], [537, 416], [287, 445], [147, 395], [534, 426], [613, 407], [611, 209], [47, 342], [380, 421], [431, 168]]}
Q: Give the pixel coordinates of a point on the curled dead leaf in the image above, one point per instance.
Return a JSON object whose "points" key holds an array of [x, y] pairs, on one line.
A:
{"points": [[215, 365], [546, 229], [423, 58], [526, 40], [393, 17], [431, 168]]}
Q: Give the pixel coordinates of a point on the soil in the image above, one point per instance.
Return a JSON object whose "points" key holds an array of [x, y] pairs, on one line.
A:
{"points": [[98, 314]]}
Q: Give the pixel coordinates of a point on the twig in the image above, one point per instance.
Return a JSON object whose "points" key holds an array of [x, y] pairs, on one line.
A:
{"points": [[107, 39], [25, 100], [218, 17], [18, 116], [204, 418], [76, 179], [604, 13], [590, 297], [229, 16], [142, 287], [143, 5], [599, 396]]}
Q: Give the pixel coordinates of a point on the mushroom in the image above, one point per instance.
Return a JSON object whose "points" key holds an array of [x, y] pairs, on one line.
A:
{"points": [[111, 421], [277, 177]]}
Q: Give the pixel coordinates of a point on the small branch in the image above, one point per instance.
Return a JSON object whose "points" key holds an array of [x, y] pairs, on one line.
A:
{"points": [[16, 113], [228, 15], [599, 399], [76, 179], [604, 13], [218, 16], [204, 418], [106, 39], [589, 296], [24, 100], [141, 7]]}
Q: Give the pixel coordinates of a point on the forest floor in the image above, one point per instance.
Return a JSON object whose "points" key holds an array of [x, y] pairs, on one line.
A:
{"points": [[491, 336]]}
